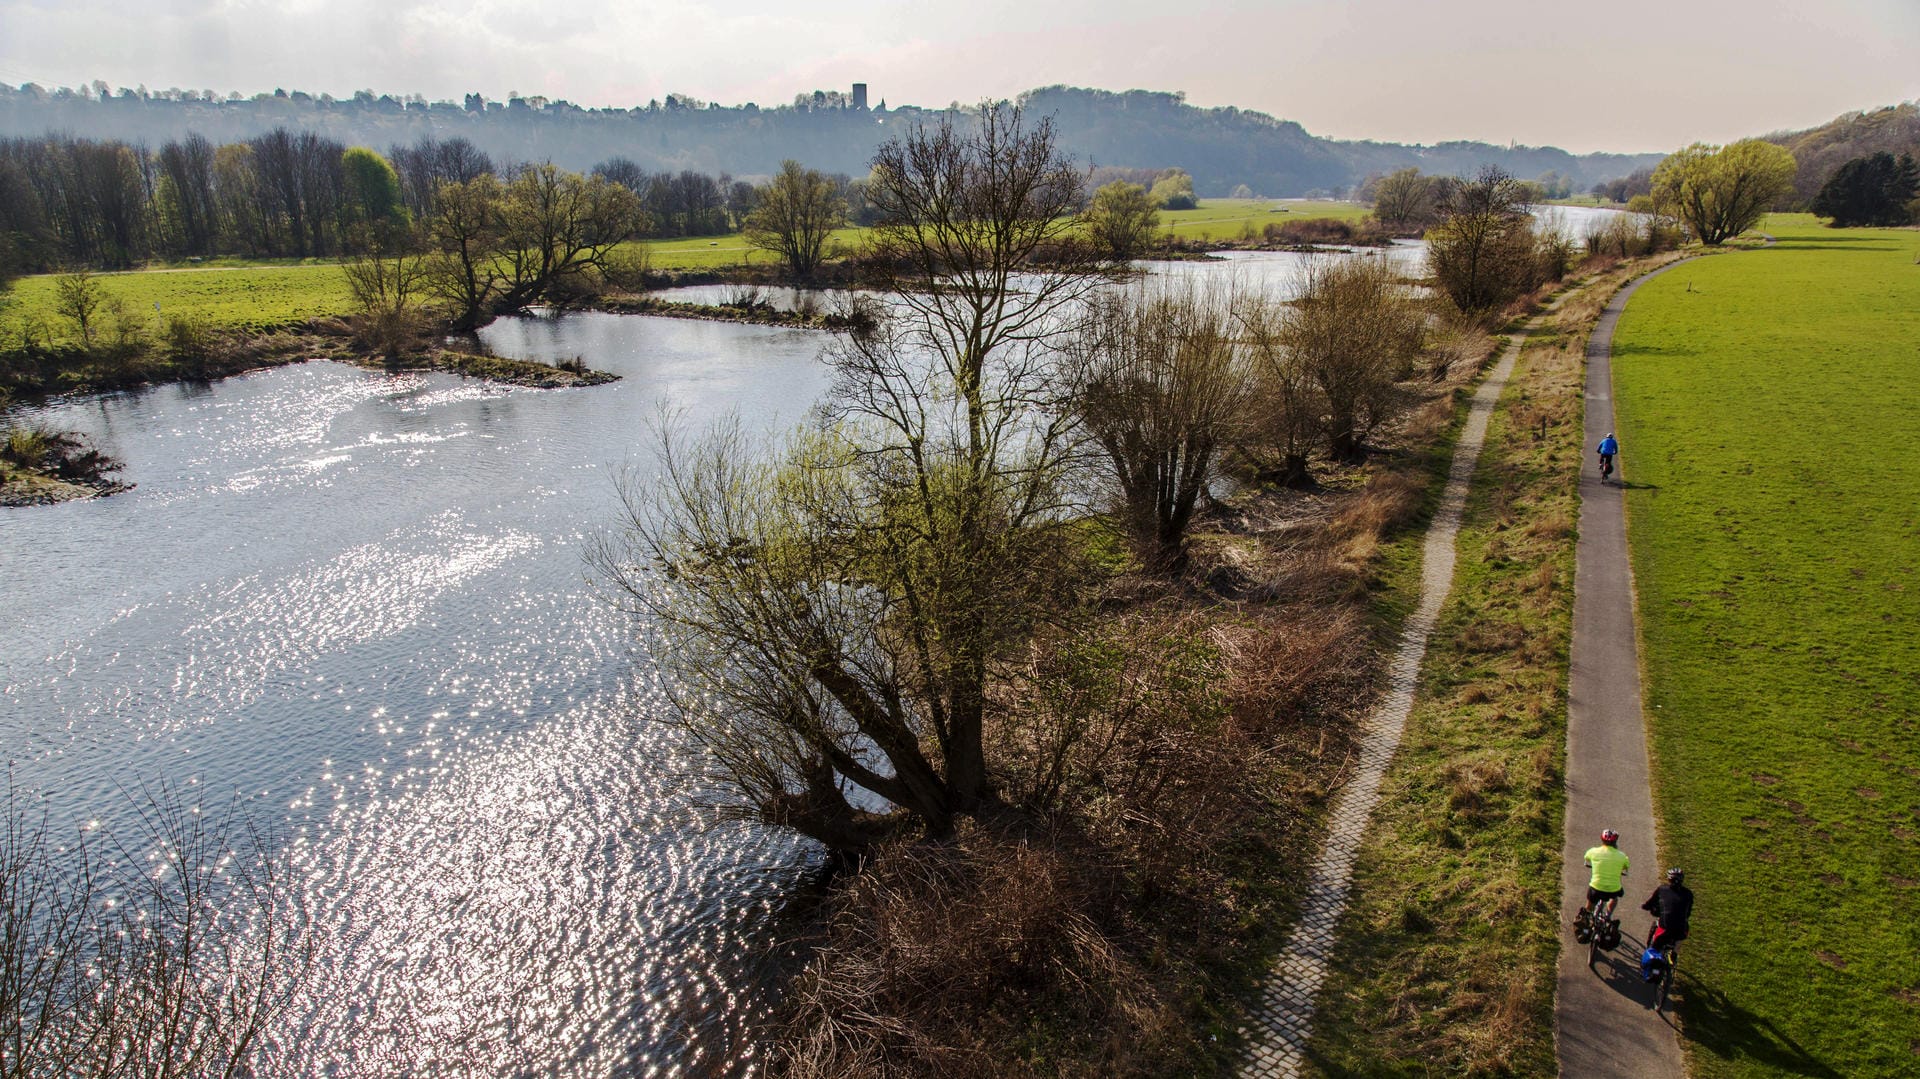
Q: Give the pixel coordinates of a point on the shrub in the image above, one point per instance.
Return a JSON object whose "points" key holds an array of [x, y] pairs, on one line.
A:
{"points": [[64, 454], [189, 337], [1319, 230]]}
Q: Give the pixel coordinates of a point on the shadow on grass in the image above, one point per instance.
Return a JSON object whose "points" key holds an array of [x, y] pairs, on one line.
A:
{"points": [[1715, 1024]]}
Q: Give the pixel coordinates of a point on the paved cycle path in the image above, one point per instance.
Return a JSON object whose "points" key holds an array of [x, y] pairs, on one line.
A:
{"points": [[1604, 1022]]}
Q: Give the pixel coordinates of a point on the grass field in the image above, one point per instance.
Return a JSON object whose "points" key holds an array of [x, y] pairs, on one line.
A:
{"points": [[1226, 219], [1768, 403], [1213, 219], [238, 297], [1448, 946]]}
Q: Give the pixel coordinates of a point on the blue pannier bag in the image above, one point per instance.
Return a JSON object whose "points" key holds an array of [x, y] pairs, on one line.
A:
{"points": [[1653, 964]]}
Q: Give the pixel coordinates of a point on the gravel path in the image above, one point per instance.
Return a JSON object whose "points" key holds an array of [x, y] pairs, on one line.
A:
{"points": [[1282, 1019], [1604, 1022]]}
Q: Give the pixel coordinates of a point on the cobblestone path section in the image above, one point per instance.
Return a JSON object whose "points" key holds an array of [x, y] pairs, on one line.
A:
{"points": [[1282, 1018]]}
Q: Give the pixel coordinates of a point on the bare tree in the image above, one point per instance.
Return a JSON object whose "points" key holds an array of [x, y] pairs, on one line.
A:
{"points": [[77, 297], [1162, 383], [794, 213], [1406, 199], [1286, 416], [834, 619], [1354, 330], [386, 290], [1481, 254], [187, 201]]}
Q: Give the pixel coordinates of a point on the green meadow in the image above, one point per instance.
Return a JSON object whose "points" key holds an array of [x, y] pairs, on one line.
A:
{"points": [[1768, 405], [236, 297], [1227, 219], [1213, 219]]}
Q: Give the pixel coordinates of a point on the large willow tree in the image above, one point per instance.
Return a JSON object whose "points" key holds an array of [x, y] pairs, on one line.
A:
{"points": [[832, 616]]}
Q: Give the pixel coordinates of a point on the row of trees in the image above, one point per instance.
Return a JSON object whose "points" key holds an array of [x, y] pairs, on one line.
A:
{"points": [[110, 204]]}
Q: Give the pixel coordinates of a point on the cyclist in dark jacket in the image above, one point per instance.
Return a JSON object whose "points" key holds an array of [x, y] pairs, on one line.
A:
{"points": [[1671, 905]]}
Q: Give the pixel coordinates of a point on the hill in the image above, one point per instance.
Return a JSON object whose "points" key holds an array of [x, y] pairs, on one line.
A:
{"points": [[1222, 147], [1820, 150]]}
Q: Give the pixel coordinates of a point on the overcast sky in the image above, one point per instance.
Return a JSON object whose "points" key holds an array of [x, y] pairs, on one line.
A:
{"points": [[1624, 75]]}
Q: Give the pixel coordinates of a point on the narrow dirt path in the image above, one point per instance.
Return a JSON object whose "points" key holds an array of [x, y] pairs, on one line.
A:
{"points": [[1603, 1017], [1282, 1019]]}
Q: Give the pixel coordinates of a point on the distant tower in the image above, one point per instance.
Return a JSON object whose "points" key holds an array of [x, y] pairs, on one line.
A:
{"points": [[860, 96]]}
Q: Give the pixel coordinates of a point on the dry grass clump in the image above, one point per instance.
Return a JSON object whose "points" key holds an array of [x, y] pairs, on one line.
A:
{"points": [[1313, 663], [935, 954], [1391, 498]]}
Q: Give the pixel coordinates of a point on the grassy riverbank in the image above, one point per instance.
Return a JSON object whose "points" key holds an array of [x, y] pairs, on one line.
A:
{"points": [[1448, 947], [1767, 405]]}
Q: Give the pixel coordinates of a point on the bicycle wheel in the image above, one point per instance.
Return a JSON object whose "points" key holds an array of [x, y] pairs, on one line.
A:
{"points": [[1666, 983]]}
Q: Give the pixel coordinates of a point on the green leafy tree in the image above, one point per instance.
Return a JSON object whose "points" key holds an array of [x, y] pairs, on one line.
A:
{"points": [[1872, 190], [794, 214], [1122, 219], [556, 230], [1174, 191], [464, 236], [376, 218], [1721, 192]]}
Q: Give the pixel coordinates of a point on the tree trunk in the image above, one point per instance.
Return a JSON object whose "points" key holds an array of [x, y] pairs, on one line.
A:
{"points": [[1293, 473]]}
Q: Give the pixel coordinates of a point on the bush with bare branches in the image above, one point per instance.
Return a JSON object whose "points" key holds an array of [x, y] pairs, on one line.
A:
{"points": [[1161, 380]]}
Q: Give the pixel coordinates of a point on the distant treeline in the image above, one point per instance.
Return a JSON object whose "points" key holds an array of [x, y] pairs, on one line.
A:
{"points": [[1222, 148], [73, 202]]}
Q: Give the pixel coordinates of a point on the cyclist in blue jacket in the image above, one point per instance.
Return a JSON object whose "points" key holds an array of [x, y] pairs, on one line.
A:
{"points": [[1608, 447]]}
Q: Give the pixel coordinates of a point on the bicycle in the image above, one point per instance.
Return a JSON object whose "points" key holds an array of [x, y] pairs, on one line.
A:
{"points": [[1606, 467], [1597, 928], [1669, 953]]}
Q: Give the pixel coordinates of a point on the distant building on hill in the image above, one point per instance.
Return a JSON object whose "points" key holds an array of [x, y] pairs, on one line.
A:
{"points": [[860, 96]]}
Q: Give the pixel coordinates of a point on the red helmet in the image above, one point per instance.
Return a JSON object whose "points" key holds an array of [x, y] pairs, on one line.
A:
{"points": [[1608, 835]]}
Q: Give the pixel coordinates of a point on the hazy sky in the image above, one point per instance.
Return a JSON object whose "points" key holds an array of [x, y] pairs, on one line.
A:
{"points": [[1586, 75]]}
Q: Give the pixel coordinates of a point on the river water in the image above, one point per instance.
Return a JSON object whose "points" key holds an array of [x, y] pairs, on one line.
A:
{"points": [[355, 604]]}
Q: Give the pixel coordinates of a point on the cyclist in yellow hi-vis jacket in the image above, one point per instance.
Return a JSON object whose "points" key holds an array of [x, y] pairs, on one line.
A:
{"points": [[1605, 886]]}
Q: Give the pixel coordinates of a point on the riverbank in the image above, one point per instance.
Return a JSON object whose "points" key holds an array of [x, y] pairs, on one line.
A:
{"points": [[1126, 940], [38, 372], [24, 488]]}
